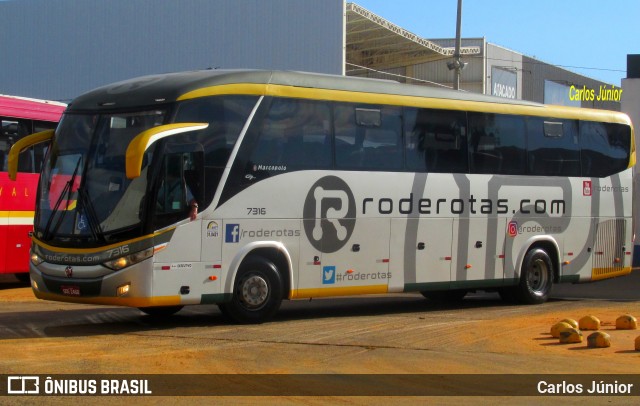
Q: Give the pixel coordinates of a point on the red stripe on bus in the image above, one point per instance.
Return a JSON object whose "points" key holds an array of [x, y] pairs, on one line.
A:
{"points": [[30, 109]]}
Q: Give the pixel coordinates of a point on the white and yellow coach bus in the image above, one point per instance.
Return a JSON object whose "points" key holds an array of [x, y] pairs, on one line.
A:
{"points": [[311, 185]]}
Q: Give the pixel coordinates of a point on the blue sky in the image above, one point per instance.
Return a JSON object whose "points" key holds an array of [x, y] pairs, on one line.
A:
{"points": [[596, 34]]}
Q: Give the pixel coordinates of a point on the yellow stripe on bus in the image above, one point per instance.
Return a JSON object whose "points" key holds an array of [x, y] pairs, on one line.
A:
{"points": [[253, 89], [114, 301], [342, 291], [99, 249], [409, 101], [606, 273], [16, 218], [17, 213]]}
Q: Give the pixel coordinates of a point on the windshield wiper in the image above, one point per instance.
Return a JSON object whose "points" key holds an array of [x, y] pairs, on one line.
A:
{"points": [[66, 190], [92, 217]]}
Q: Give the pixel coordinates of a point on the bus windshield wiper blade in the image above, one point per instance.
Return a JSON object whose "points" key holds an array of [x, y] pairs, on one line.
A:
{"points": [[68, 189], [92, 217]]}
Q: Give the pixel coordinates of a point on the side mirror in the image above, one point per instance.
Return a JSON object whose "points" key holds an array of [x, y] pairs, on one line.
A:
{"points": [[23, 144], [142, 142]]}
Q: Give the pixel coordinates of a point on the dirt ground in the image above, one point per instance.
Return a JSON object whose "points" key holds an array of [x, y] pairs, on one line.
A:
{"points": [[525, 337], [397, 336]]}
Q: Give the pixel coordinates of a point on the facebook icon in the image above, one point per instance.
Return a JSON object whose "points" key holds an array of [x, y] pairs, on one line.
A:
{"points": [[232, 233]]}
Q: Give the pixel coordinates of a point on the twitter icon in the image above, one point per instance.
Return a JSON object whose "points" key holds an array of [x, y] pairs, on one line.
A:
{"points": [[328, 275]]}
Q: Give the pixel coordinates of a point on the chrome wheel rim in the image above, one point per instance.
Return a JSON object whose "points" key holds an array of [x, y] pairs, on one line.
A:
{"points": [[254, 292], [538, 277]]}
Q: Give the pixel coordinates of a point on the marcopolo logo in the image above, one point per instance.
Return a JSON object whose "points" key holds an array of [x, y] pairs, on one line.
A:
{"points": [[329, 214]]}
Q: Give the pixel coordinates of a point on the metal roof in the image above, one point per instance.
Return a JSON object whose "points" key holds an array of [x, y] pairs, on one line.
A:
{"points": [[373, 42]]}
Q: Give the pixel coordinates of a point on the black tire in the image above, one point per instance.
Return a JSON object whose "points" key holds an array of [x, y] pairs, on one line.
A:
{"points": [[23, 277], [257, 292], [160, 311], [536, 278], [445, 296]]}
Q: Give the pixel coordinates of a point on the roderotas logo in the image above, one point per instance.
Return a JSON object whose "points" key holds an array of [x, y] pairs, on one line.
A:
{"points": [[329, 214]]}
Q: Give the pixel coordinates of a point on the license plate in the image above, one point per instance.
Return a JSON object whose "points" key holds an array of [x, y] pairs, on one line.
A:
{"points": [[70, 290]]}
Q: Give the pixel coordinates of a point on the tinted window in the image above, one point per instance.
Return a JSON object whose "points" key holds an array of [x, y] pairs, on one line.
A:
{"points": [[295, 134], [436, 141], [605, 148], [368, 137], [554, 149], [226, 116], [179, 183], [497, 144], [13, 129]]}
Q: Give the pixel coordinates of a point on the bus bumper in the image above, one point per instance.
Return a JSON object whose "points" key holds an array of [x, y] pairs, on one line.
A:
{"points": [[115, 288]]}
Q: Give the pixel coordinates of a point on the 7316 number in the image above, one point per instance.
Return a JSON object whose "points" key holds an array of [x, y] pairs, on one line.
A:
{"points": [[256, 211]]}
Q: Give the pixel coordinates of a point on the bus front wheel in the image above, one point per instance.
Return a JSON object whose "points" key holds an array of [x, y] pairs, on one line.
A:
{"points": [[536, 278], [257, 292]]}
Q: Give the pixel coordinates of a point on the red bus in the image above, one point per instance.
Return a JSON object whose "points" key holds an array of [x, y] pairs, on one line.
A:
{"points": [[21, 116]]}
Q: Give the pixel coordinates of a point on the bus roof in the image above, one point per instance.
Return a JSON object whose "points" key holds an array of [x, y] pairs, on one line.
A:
{"points": [[165, 88], [33, 109]]}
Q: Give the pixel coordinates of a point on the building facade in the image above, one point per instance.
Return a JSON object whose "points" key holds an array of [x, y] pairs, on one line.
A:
{"points": [[58, 49]]}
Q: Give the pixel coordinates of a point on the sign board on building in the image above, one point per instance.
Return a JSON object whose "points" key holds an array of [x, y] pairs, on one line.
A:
{"points": [[558, 93], [504, 83]]}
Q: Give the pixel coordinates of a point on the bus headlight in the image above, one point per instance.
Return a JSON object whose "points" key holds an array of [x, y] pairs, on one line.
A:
{"points": [[128, 260], [36, 259]]}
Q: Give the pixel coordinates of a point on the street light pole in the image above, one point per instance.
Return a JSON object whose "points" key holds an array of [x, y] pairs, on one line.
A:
{"points": [[456, 55], [456, 65]]}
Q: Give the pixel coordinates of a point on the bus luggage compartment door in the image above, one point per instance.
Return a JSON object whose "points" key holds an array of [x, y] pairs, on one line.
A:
{"points": [[421, 250]]}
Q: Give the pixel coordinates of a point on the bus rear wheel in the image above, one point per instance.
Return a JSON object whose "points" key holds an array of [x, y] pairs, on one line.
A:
{"points": [[536, 278], [257, 292]]}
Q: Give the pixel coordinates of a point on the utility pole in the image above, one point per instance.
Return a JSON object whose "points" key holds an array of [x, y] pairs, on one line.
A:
{"points": [[457, 64]]}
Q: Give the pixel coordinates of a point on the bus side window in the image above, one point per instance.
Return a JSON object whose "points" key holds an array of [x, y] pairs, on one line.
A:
{"points": [[26, 161], [497, 144], [295, 135], [435, 141], [226, 116], [348, 143], [604, 150], [179, 185], [553, 147], [368, 137], [12, 131]]}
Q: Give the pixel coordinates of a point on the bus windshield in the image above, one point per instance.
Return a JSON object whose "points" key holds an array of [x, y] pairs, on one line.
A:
{"points": [[84, 194]]}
